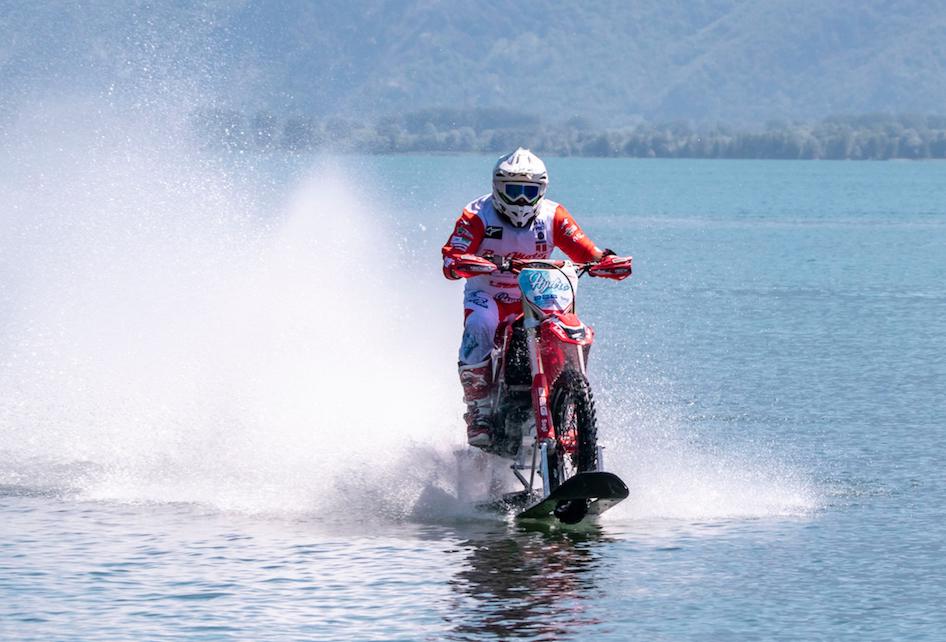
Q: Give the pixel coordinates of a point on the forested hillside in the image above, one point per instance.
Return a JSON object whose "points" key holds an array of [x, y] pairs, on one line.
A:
{"points": [[611, 62]]}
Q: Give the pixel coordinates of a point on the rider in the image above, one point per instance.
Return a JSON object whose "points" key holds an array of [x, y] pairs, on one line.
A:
{"points": [[515, 221]]}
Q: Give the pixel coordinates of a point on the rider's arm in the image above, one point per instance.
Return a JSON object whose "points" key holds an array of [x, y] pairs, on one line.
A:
{"points": [[567, 235], [465, 240]]}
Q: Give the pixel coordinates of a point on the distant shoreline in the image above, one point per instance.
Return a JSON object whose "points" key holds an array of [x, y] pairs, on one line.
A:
{"points": [[870, 137]]}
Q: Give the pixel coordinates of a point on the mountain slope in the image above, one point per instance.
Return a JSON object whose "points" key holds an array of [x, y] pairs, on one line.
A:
{"points": [[615, 62]]}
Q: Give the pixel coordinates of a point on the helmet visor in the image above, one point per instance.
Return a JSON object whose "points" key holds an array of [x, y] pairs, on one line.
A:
{"points": [[520, 193]]}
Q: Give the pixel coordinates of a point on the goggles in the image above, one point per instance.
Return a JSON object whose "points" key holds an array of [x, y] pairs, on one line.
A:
{"points": [[520, 193]]}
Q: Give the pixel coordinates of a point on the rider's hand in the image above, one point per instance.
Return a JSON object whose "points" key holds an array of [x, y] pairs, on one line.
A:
{"points": [[469, 265], [612, 267]]}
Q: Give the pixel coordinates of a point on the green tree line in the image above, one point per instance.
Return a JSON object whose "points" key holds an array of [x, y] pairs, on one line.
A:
{"points": [[867, 137]]}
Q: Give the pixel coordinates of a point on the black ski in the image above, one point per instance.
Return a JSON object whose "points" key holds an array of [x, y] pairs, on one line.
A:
{"points": [[589, 493]]}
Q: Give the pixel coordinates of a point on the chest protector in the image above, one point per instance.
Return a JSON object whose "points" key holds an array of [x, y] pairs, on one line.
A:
{"points": [[502, 239]]}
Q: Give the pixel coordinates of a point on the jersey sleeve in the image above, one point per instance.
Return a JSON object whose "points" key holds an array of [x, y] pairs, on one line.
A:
{"points": [[567, 235], [465, 239]]}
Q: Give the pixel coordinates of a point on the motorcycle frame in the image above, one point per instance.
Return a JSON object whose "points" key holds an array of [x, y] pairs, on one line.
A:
{"points": [[550, 350]]}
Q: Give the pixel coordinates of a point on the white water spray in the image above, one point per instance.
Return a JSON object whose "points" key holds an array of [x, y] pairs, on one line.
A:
{"points": [[167, 339], [674, 476], [176, 328]]}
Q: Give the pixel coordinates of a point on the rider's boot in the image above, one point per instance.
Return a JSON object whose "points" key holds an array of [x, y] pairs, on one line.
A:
{"points": [[477, 386]]}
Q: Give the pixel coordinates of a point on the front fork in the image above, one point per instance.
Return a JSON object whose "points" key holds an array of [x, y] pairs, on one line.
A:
{"points": [[544, 429]]}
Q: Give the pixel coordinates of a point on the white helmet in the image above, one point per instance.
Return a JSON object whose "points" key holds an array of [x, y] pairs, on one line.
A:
{"points": [[519, 182]]}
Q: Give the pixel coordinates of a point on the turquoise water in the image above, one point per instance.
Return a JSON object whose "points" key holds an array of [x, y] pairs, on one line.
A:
{"points": [[228, 408]]}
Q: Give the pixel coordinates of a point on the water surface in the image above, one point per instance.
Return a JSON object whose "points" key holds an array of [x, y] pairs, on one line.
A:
{"points": [[239, 423]]}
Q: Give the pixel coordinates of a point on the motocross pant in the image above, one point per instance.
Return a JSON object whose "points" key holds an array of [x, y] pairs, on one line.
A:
{"points": [[482, 315]]}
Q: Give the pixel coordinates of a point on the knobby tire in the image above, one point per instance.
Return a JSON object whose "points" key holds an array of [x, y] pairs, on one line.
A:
{"points": [[572, 393]]}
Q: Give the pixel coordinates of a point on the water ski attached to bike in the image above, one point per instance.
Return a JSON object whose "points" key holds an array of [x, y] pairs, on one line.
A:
{"points": [[582, 495]]}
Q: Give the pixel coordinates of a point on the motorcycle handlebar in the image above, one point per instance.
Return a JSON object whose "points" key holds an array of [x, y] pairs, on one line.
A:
{"points": [[515, 265]]}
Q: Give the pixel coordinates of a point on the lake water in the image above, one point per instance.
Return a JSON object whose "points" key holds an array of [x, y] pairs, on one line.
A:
{"points": [[229, 408]]}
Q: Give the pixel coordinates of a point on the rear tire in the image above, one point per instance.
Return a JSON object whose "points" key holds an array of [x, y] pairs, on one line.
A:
{"points": [[576, 429]]}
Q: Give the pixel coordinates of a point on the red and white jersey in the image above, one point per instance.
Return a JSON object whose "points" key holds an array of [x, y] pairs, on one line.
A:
{"points": [[480, 230]]}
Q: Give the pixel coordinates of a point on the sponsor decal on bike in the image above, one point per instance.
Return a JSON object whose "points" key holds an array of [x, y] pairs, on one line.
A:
{"points": [[545, 289], [494, 232], [540, 283]]}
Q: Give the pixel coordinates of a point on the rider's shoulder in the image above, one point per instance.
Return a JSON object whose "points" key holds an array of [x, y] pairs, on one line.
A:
{"points": [[562, 216], [550, 209], [479, 205]]}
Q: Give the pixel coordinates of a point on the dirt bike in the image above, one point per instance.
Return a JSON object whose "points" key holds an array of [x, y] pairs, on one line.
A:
{"points": [[543, 414]]}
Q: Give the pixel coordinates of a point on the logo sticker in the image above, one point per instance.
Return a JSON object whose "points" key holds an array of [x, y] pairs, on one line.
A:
{"points": [[505, 297], [541, 283], [460, 242], [477, 299], [494, 231], [541, 245], [468, 345]]}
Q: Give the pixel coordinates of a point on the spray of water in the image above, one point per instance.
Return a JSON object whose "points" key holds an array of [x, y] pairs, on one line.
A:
{"points": [[180, 328], [167, 338], [674, 474]]}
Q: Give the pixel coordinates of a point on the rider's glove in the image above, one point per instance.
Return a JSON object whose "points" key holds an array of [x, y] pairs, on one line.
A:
{"points": [[612, 266], [469, 265]]}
